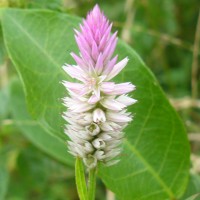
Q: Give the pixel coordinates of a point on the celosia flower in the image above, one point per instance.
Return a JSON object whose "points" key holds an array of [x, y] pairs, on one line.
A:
{"points": [[96, 112]]}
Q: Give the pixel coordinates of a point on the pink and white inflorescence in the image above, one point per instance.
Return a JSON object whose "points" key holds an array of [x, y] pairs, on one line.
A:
{"points": [[96, 112]]}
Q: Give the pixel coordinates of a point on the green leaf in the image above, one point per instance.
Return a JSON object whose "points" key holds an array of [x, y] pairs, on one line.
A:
{"points": [[194, 197], [4, 177], [45, 4], [80, 180], [33, 131], [193, 189], [155, 160], [92, 184], [4, 102], [44, 62], [39, 176], [2, 48]]}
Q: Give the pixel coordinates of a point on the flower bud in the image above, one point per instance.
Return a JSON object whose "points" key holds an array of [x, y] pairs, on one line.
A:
{"points": [[99, 115], [90, 161], [93, 129], [98, 143]]}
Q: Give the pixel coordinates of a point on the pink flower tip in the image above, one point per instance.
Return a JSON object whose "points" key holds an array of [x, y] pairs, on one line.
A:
{"points": [[96, 10]]}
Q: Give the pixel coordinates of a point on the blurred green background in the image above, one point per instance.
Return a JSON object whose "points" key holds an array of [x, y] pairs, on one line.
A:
{"points": [[165, 33]]}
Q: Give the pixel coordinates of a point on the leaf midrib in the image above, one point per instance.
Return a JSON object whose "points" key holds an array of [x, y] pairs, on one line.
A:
{"points": [[45, 53], [150, 169], [34, 41]]}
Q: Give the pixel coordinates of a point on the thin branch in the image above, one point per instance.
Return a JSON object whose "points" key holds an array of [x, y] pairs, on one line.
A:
{"points": [[194, 137], [126, 31], [3, 74], [195, 163], [7, 122], [185, 103], [195, 61], [110, 195], [162, 36]]}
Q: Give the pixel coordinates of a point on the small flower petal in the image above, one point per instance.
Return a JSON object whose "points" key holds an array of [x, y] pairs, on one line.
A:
{"points": [[118, 117], [122, 88], [112, 104], [99, 115], [90, 161], [117, 68], [75, 72], [124, 99], [93, 129], [98, 143]]}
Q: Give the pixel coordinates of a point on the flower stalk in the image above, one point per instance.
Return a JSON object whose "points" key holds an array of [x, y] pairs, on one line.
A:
{"points": [[85, 191], [92, 184]]}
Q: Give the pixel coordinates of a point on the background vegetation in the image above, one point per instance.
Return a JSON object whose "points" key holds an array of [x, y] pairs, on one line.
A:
{"points": [[166, 34]]}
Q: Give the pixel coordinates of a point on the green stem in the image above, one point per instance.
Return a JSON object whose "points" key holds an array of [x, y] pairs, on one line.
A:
{"points": [[80, 180], [92, 184]]}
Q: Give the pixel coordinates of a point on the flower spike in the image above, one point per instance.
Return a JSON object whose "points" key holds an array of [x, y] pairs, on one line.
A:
{"points": [[96, 113]]}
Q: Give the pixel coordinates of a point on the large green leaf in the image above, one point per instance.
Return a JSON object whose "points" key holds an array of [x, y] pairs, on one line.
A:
{"points": [[194, 197], [44, 58], [4, 102], [193, 189], [155, 161], [2, 49], [33, 131], [45, 4], [4, 177]]}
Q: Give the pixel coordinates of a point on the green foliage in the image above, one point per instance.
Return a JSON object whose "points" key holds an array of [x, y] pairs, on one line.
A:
{"points": [[44, 61], [194, 197], [2, 48], [4, 176], [193, 189], [163, 34], [37, 176], [53, 4], [33, 130], [155, 160], [4, 102], [80, 180]]}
